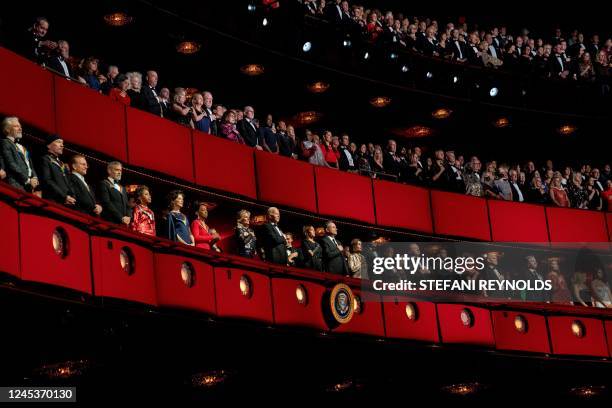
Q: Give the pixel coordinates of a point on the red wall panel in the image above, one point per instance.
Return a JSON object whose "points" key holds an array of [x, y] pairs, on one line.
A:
{"points": [[285, 181], [173, 292], [369, 321], [403, 206], [423, 328], [517, 222], [27, 91], [40, 263], [288, 311], [534, 339], [224, 165], [89, 119], [609, 224], [110, 280], [159, 144], [452, 329], [573, 225], [344, 195], [232, 303], [9, 240], [460, 215], [565, 342], [608, 325]]}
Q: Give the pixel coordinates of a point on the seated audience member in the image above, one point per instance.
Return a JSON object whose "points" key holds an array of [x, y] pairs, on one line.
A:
{"points": [[53, 176], [559, 289], [177, 222], [607, 196], [228, 127], [111, 77], [143, 218], [488, 186], [532, 275], [517, 194], [576, 193], [329, 155], [267, 134], [119, 92], [357, 265], [245, 236], [580, 290], [34, 45], [204, 236], [272, 240], [248, 130], [594, 201], [558, 195], [18, 164], [471, 178], [90, 74], [164, 102], [113, 196], [60, 61], [600, 290], [199, 118], [218, 111], [179, 111], [150, 100], [333, 259], [83, 192], [294, 255], [537, 192], [135, 90], [311, 250], [346, 161]]}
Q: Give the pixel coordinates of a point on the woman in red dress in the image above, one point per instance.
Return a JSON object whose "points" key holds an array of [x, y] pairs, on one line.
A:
{"points": [[204, 236], [119, 92], [143, 219]]}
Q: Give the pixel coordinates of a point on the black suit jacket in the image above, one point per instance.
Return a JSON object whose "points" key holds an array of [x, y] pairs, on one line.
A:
{"points": [[114, 203], [333, 260], [458, 49], [151, 104], [343, 162], [515, 192], [53, 181], [273, 244], [15, 165], [248, 133], [85, 198], [54, 64], [554, 67]]}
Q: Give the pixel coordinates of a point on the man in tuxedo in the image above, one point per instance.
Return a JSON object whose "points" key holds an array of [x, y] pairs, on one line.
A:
{"points": [[111, 76], [208, 103], [532, 275], [346, 161], [334, 13], [272, 239], [113, 196], [473, 53], [492, 272], [53, 177], [18, 164], [83, 193], [34, 45], [453, 176], [599, 180], [333, 258], [392, 162], [59, 61], [164, 101], [149, 95], [517, 194], [458, 47], [557, 63], [492, 49], [247, 129]]}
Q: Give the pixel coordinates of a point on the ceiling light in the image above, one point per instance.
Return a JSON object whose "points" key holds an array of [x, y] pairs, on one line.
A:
{"points": [[318, 87], [501, 122], [118, 19], [567, 130], [441, 113], [380, 101], [252, 69], [188, 47]]}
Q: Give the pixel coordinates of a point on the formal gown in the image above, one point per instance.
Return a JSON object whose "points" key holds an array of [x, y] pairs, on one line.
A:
{"points": [[178, 226], [143, 220], [201, 234]]}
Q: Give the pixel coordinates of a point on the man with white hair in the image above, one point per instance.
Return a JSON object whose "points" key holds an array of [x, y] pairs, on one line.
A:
{"points": [[272, 239], [18, 164]]}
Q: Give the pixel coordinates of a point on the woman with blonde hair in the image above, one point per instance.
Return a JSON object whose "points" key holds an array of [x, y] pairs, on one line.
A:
{"points": [[133, 91]]}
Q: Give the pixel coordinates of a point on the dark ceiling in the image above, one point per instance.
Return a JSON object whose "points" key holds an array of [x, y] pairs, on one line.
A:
{"points": [[231, 37]]}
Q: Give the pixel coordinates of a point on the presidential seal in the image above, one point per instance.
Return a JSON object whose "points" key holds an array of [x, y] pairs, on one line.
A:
{"points": [[341, 301]]}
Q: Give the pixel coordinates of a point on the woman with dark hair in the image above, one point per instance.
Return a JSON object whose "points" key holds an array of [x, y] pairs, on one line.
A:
{"points": [[204, 236], [91, 75], [228, 127], [119, 91], [311, 250], [143, 219], [178, 224]]}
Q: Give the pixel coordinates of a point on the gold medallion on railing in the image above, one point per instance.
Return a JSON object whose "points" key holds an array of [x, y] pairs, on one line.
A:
{"points": [[341, 303]]}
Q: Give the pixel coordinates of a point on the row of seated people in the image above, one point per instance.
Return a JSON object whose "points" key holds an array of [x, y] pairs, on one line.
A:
{"points": [[559, 55], [585, 188], [319, 250]]}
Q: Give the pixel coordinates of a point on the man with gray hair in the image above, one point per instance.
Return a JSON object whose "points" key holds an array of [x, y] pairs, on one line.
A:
{"points": [[272, 239], [149, 94], [18, 167], [113, 196]]}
